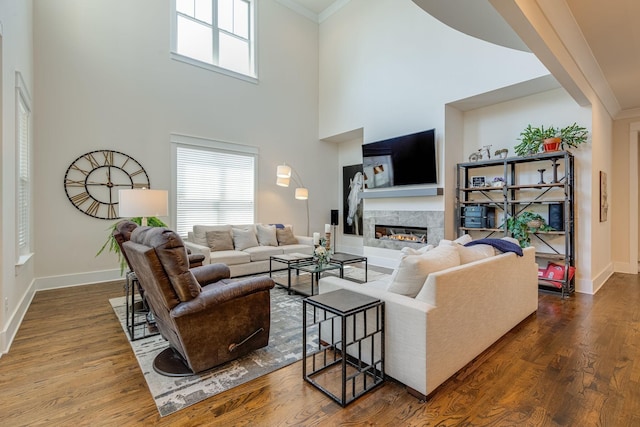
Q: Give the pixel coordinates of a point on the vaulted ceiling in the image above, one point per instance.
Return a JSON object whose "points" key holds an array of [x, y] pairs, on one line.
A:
{"points": [[604, 40]]}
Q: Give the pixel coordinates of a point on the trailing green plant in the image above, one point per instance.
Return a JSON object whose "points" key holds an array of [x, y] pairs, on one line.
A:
{"points": [[520, 229], [112, 246], [531, 138]]}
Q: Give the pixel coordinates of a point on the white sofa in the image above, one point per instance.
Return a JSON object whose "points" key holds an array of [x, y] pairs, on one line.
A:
{"points": [[245, 255], [457, 314]]}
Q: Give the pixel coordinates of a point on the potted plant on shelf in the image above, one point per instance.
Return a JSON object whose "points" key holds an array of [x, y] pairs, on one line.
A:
{"points": [[521, 226], [550, 139], [572, 136]]}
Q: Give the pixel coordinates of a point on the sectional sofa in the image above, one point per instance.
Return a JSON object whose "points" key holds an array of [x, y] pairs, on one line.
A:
{"points": [[246, 248], [458, 304]]}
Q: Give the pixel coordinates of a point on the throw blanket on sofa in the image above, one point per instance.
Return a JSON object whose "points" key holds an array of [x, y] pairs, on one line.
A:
{"points": [[499, 244]]}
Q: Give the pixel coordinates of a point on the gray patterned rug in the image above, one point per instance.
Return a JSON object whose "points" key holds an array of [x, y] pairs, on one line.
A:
{"points": [[285, 347]]}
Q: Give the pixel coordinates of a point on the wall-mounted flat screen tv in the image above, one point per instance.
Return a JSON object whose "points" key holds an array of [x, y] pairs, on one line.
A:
{"points": [[404, 160]]}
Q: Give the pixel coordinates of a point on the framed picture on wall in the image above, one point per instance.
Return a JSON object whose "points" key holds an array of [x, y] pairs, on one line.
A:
{"points": [[352, 186], [604, 204]]}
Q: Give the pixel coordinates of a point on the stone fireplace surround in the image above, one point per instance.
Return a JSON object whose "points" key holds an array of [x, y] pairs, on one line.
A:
{"points": [[433, 221]]}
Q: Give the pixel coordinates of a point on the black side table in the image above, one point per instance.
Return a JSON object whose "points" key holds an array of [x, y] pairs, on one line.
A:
{"points": [[343, 320], [342, 259], [138, 315]]}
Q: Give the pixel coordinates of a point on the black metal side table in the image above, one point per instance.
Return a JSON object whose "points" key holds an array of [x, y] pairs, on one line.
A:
{"points": [[138, 317], [343, 338], [342, 259]]}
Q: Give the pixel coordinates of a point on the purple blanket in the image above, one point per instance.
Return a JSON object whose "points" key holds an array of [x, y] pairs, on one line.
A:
{"points": [[499, 244]]}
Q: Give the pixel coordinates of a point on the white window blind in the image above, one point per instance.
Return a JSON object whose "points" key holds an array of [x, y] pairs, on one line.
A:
{"points": [[23, 117], [213, 187]]}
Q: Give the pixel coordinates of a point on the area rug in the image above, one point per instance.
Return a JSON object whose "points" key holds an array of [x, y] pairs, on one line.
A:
{"points": [[285, 347]]}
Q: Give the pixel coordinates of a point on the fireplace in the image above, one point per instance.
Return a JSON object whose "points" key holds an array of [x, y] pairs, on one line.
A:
{"points": [[401, 233], [409, 228]]}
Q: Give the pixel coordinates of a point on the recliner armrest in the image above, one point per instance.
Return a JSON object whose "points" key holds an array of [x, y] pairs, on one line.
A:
{"points": [[223, 291], [210, 273]]}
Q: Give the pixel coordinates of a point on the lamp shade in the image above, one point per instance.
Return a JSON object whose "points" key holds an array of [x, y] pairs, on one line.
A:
{"points": [[282, 182], [302, 193], [143, 203], [283, 171]]}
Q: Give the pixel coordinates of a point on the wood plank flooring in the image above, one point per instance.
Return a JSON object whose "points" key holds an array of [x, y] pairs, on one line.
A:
{"points": [[574, 363]]}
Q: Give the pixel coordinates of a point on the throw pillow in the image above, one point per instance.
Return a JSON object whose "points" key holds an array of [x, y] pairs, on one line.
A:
{"points": [[285, 236], [474, 253], [219, 240], [243, 239], [267, 235], [414, 269], [411, 251]]}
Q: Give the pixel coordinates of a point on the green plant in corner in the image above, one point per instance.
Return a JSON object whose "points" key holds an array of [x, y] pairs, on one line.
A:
{"points": [[113, 246], [522, 225]]}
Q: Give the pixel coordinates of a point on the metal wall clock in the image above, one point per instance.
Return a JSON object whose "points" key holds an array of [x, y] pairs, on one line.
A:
{"points": [[92, 181]]}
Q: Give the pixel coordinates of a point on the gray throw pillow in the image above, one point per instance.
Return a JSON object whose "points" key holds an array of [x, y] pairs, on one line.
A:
{"points": [[219, 240], [243, 239], [285, 236]]}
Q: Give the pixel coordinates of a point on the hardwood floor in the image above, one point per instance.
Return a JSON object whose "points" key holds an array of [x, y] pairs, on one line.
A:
{"points": [[574, 363]]}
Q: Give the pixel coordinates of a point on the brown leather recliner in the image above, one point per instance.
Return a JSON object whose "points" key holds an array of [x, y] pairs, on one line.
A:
{"points": [[206, 325], [122, 233]]}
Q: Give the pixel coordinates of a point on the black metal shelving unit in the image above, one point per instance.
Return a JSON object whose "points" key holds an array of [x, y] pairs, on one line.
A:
{"points": [[519, 193]]}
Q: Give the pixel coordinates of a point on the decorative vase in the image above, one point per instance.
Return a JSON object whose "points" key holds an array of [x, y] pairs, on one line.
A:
{"points": [[551, 144]]}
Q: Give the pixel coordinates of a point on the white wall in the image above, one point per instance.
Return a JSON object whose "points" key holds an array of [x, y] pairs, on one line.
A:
{"points": [[390, 67], [16, 289], [104, 80]]}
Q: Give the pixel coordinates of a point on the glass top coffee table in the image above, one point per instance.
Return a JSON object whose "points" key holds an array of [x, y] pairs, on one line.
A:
{"points": [[289, 260], [302, 284]]}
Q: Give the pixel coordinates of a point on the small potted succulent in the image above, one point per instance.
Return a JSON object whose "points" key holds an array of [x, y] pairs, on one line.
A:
{"points": [[498, 181]]}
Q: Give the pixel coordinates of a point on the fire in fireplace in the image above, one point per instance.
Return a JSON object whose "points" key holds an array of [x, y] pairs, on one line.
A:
{"points": [[401, 233]]}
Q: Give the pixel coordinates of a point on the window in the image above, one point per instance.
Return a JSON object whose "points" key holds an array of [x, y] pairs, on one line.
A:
{"points": [[214, 183], [217, 34], [23, 190]]}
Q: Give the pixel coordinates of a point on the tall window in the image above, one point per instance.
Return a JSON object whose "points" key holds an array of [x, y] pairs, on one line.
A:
{"points": [[219, 33], [215, 183], [23, 142]]}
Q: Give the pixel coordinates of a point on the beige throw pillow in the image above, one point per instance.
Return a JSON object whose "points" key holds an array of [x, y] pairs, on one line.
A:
{"points": [[285, 236], [243, 239], [267, 235], [414, 269], [474, 253], [219, 240]]}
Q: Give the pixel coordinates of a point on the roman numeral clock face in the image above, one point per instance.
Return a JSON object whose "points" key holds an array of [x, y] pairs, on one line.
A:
{"points": [[93, 180]]}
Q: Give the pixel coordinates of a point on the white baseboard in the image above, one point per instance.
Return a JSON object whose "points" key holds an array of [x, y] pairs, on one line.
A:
{"points": [[625, 267], [9, 333], [65, 281]]}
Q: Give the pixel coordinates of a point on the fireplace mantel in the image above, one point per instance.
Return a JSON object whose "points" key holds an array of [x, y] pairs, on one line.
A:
{"points": [[401, 192]]}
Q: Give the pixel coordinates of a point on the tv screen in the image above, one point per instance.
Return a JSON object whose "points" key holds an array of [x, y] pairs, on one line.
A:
{"points": [[404, 160]]}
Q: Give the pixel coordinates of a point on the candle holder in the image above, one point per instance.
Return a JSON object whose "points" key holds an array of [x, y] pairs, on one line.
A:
{"points": [[555, 171], [541, 176], [327, 242]]}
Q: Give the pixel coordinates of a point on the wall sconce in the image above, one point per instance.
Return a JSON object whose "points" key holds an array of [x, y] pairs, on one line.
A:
{"points": [[143, 203], [284, 174]]}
